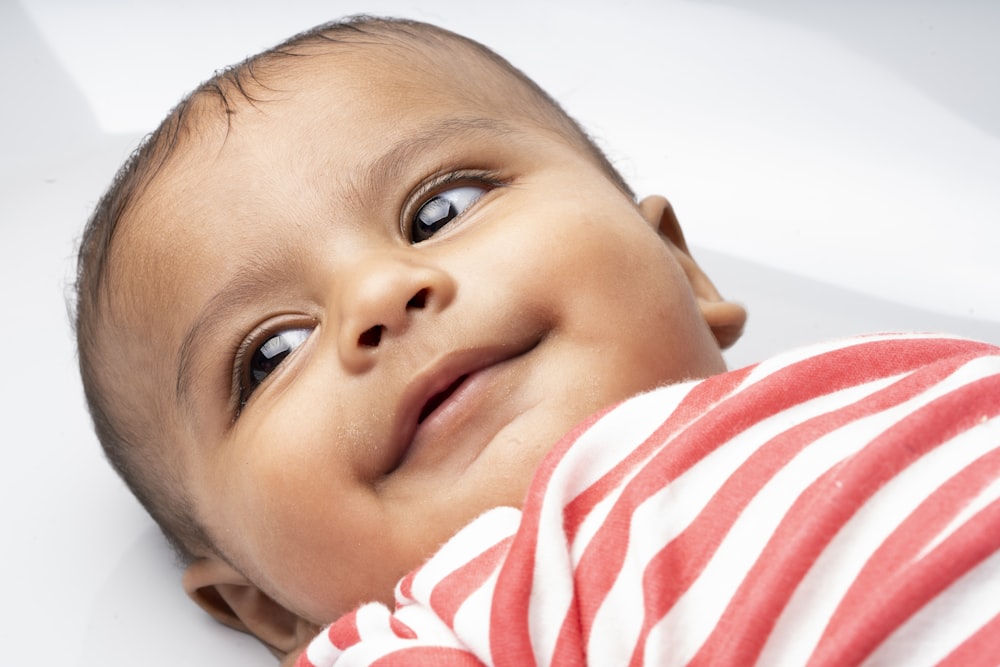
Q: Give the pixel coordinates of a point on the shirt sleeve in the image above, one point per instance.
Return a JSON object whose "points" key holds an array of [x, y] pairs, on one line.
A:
{"points": [[835, 505]]}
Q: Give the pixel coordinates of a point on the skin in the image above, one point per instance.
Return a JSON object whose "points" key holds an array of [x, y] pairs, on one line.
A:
{"points": [[551, 295]]}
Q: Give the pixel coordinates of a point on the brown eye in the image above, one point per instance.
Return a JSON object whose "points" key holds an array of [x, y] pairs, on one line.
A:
{"points": [[269, 355], [441, 209]]}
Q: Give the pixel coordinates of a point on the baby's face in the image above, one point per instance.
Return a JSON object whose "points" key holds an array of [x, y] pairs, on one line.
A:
{"points": [[371, 305]]}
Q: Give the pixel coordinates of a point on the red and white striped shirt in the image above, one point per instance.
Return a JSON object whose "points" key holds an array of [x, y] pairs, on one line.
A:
{"points": [[836, 505]]}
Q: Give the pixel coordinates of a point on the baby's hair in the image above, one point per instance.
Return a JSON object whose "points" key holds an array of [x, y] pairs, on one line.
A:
{"points": [[132, 449]]}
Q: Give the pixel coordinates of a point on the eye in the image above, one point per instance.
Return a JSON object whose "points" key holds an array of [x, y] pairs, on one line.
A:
{"points": [[441, 209], [267, 357]]}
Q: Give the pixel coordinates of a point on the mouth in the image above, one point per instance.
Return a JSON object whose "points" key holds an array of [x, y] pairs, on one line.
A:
{"points": [[437, 399], [446, 400]]}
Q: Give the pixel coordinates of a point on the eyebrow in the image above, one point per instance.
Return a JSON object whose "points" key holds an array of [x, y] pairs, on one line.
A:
{"points": [[262, 268], [233, 297], [371, 178]]}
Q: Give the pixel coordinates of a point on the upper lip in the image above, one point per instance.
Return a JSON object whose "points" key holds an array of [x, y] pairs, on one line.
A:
{"points": [[434, 383]]}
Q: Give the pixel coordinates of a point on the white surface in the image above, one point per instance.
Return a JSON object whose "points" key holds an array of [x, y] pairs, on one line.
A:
{"points": [[851, 146]]}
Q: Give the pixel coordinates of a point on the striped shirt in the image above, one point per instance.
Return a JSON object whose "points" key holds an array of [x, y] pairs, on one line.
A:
{"points": [[836, 505]]}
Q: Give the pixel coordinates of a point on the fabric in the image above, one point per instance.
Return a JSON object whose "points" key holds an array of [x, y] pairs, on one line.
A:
{"points": [[837, 505]]}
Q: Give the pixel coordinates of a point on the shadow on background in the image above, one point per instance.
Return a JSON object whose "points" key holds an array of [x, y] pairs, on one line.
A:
{"points": [[38, 93], [949, 50]]}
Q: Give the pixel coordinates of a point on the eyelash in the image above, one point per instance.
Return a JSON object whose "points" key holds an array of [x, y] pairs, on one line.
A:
{"points": [[442, 182], [238, 384], [241, 389]]}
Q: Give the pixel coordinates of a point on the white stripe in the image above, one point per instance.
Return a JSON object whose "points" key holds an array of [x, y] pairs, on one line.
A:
{"points": [[472, 622], [987, 432], [632, 422], [685, 628], [430, 629], [593, 455], [672, 510], [650, 412], [990, 494], [793, 638], [484, 532], [372, 621], [553, 577], [944, 623], [321, 652], [810, 608]]}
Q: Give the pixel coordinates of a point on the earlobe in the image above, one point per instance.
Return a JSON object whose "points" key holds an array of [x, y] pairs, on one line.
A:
{"points": [[231, 599], [725, 318]]}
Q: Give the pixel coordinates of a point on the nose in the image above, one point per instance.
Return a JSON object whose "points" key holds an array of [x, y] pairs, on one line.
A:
{"points": [[380, 297]]}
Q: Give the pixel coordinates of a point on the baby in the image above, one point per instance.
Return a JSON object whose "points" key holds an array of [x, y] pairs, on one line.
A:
{"points": [[350, 293], [347, 298]]}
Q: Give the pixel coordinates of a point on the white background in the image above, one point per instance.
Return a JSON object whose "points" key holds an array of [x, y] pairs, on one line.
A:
{"points": [[836, 167]]}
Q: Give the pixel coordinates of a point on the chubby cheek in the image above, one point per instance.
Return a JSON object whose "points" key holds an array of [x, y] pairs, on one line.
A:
{"points": [[293, 517], [627, 308], [656, 332]]}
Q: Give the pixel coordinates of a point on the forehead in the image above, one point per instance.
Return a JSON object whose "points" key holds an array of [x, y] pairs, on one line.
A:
{"points": [[336, 110], [339, 107], [323, 120]]}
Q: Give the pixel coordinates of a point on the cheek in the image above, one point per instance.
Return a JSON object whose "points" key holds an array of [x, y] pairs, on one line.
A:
{"points": [[288, 512], [300, 538], [621, 276], [625, 301], [267, 494]]}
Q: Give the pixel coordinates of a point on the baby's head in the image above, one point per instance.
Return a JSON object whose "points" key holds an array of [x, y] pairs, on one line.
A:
{"points": [[348, 295]]}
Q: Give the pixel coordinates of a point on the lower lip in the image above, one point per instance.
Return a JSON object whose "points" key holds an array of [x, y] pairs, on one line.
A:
{"points": [[458, 430]]}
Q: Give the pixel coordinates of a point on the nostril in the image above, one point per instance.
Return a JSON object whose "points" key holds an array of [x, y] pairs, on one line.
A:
{"points": [[372, 337], [419, 300]]}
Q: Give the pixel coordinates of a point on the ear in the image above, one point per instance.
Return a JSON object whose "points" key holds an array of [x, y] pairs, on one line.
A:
{"points": [[725, 318], [231, 599]]}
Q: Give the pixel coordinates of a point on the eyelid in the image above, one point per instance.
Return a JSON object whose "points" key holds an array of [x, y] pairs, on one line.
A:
{"points": [[249, 345], [440, 181]]}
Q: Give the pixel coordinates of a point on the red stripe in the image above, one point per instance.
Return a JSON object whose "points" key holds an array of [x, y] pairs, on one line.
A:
{"points": [[702, 397], [452, 591], [400, 629], [823, 508], [675, 568], [344, 632], [592, 583], [768, 584], [863, 620], [510, 634], [406, 585], [889, 565], [982, 649], [851, 640]]}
